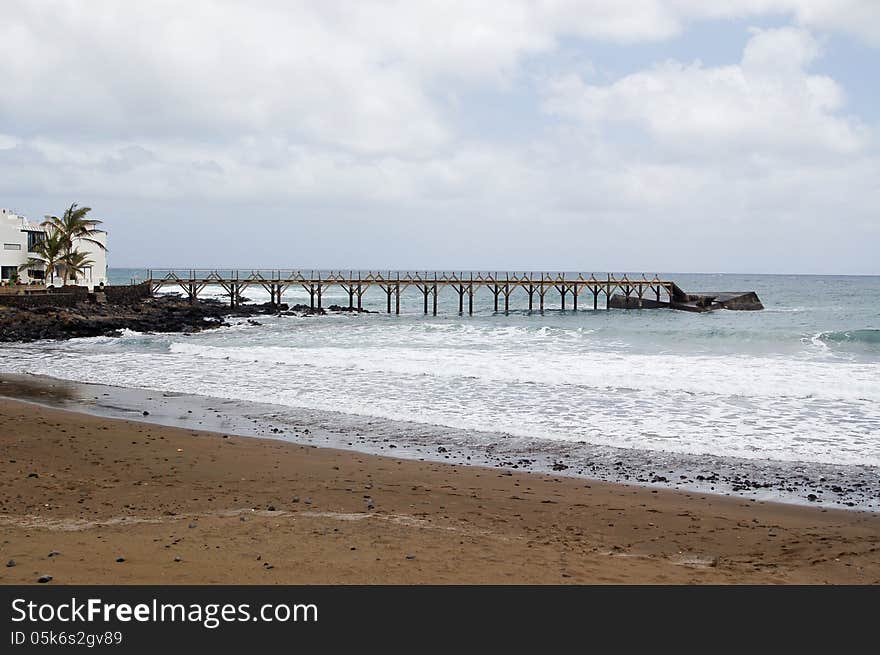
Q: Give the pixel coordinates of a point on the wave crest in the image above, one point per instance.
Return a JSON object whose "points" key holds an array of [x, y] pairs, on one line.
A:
{"points": [[869, 337]]}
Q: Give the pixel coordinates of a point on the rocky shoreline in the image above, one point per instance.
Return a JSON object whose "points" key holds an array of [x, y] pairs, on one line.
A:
{"points": [[158, 314]]}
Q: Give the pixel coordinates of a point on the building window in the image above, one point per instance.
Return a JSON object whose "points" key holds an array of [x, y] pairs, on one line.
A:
{"points": [[8, 273], [11, 246], [36, 274], [34, 239]]}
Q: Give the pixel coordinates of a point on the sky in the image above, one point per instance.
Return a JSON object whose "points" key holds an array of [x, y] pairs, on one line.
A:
{"points": [[600, 135]]}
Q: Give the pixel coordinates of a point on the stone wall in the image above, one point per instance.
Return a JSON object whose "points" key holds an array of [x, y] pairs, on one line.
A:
{"points": [[68, 296], [31, 301], [126, 294]]}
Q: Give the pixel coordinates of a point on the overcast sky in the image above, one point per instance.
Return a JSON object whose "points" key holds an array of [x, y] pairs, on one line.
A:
{"points": [[601, 135]]}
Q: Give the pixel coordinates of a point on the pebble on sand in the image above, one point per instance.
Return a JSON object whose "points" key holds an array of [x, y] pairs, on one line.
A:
{"points": [[43, 579], [11, 563]]}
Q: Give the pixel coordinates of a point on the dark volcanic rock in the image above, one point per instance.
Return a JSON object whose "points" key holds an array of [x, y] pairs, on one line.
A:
{"points": [[305, 309], [355, 310], [161, 314]]}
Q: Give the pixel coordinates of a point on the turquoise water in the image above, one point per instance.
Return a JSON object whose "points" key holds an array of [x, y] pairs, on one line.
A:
{"points": [[797, 382]]}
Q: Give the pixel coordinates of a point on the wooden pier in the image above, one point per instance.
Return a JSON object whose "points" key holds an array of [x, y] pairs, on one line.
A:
{"points": [[572, 288]]}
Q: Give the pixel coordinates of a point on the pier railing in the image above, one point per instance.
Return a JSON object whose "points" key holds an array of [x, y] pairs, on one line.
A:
{"points": [[639, 290]]}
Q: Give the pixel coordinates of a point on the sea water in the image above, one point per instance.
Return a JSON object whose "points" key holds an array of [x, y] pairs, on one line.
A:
{"points": [[798, 382]]}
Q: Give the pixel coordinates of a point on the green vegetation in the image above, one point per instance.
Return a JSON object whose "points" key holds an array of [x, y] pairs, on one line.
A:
{"points": [[58, 250]]}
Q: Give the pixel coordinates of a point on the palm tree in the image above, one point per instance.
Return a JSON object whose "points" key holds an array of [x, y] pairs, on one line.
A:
{"points": [[74, 263], [49, 252], [73, 225]]}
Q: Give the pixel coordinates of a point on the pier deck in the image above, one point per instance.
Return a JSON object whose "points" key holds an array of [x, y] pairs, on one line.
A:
{"points": [[634, 292]]}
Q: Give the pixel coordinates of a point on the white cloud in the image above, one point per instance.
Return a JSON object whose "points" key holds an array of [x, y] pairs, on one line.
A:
{"points": [[768, 103], [332, 104]]}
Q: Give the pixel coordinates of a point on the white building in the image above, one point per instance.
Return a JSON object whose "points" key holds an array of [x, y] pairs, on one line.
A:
{"points": [[17, 238]]}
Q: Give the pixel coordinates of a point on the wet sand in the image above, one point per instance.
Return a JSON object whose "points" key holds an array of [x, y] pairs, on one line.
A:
{"points": [[80, 492]]}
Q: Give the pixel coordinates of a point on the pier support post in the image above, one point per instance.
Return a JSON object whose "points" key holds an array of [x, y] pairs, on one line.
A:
{"points": [[541, 291], [460, 290], [397, 298], [435, 299], [506, 298], [360, 293], [495, 291], [471, 299], [574, 297], [388, 293], [312, 296], [320, 293], [595, 291], [424, 290], [531, 296]]}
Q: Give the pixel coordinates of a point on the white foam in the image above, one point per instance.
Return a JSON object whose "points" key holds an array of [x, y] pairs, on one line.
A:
{"points": [[539, 381], [721, 375]]}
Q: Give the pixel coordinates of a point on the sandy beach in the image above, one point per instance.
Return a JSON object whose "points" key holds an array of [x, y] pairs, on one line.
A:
{"points": [[86, 499]]}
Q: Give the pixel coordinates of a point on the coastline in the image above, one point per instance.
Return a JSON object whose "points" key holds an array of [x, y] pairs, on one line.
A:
{"points": [[804, 483], [188, 506]]}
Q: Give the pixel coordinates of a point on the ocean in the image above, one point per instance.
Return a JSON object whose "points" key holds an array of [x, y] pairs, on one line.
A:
{"points": [[782, 403]]}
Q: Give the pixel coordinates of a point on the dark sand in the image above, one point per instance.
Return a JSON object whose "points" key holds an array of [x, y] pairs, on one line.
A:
{"points": [[183, 506]]}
